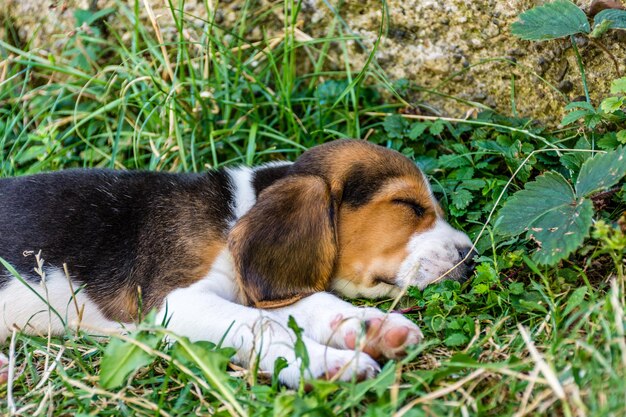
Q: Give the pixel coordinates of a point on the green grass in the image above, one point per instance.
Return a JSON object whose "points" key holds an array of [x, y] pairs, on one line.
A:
{"points": [[517, 339]]}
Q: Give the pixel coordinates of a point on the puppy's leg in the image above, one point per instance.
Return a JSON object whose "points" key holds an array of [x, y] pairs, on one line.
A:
{"points": [[38, 307], [332, 321], [258, 335]]}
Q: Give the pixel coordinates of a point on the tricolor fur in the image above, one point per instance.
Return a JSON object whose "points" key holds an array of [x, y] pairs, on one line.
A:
{"points": [[233, 252]]}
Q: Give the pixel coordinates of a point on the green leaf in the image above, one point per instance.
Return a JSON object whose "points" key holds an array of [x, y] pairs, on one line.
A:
{"points": [[461, 198], [561, 231], [601, 172], [202, 354], [527, 305], [615, 16], [574, 300], [436, 127], [611, 104], [456, 339], [525, 207], [571, 117], [395, 126], [329, 91], [558, 19], [516, 288], [618, 86], [608, 141], [580, 105], [417, 130], [453, 161], [480, 288], [621, 136], [299, 347], [593, 120], [122, 357], [552, 215]]}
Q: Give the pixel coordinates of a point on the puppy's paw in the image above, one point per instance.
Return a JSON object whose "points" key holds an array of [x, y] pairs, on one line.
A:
{"points": [[376, 333], [4, 369], [332, 364]]}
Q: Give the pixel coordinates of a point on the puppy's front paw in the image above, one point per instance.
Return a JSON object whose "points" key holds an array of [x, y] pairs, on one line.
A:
{"points": [[376, 333], [332, 364]]}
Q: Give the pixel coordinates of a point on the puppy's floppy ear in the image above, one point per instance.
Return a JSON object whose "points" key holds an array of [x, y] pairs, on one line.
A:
{"points": [[285, 248]]}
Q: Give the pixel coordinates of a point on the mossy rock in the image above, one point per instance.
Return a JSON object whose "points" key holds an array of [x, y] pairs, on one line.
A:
{"points": [[455, 48]]}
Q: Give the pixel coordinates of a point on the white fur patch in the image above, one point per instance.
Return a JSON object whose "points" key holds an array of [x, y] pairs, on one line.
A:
{"points": [[244, 195], [350, 289], [243, 191], [28, 308], [207, 310], [431, 254]]}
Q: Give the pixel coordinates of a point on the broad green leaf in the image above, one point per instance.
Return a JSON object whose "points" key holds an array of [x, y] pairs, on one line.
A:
{"points": [[552, 20], [551, 214], [525, 207], [601, 172], [621, 136], [611, 104], [618, 86], [456, 339], [574, 300], [561, 231], [395, 125], [571, 117], [122, 357], [615, 16]]}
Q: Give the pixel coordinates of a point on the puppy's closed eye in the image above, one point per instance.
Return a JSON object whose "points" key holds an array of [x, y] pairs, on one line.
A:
{"points": [[417, 208]]}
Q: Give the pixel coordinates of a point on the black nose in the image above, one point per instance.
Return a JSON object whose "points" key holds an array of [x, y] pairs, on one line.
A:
{"points": [[468, 254]]}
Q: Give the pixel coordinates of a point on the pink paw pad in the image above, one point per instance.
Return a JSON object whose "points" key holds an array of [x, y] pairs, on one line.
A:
{"points": [[4, 369], [384, 337], [396, 337]]}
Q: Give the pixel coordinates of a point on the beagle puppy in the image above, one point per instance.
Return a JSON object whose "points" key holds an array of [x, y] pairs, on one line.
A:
{"points": [[231, 254]]}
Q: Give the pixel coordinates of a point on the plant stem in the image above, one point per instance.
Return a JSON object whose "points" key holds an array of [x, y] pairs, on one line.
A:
{"points": [[579, 60]]}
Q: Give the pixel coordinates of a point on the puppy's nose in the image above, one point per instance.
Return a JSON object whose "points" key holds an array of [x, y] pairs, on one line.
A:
{"points": [[468, 254]]}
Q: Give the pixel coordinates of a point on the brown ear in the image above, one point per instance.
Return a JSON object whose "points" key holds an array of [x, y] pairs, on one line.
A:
{"points": [[284, 248]]}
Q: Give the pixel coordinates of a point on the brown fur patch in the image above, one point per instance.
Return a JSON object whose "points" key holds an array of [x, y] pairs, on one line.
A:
{"points": [[285, 245], [373, 238]]}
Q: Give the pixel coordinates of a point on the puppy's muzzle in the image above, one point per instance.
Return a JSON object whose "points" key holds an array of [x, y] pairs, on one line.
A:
{"points": [[465, 269]]}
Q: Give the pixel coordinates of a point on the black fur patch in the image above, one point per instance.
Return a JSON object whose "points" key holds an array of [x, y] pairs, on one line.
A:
{"points": [[113, 229], [265, 176], [362, 182]]}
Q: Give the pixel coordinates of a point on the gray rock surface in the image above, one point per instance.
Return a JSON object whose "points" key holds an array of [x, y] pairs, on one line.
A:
{"points": [[458, 48]]}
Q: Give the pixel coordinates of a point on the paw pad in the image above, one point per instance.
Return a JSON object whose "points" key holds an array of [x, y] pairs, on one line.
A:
{"points": [[4, 369], [385, 336]]}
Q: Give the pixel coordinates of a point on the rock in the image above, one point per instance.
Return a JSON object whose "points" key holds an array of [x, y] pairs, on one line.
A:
{"points": [[460, 48]]}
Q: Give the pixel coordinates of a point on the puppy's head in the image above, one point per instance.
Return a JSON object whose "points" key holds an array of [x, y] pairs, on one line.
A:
{"points": [[349, 215]]}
